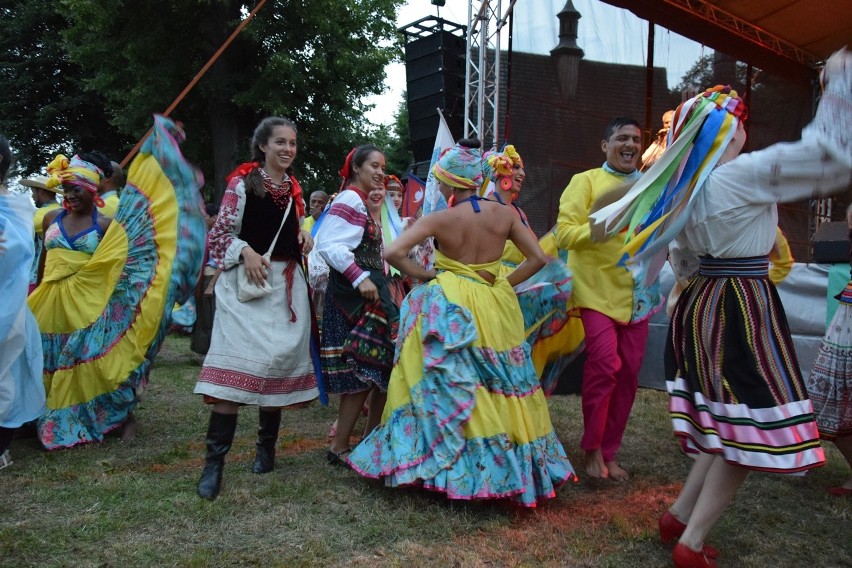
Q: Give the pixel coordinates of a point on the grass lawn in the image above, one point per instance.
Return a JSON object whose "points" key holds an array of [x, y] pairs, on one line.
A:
{"points": [[134, 504]]}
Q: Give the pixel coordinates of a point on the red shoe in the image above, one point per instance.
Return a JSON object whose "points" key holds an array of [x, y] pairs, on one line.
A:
{"points": [[839, 491], [671, 529], [685, 557]]}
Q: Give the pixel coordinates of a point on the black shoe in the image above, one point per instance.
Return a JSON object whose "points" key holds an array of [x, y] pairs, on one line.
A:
{"points": [[267, 436], [337, 459], [220, 436]]}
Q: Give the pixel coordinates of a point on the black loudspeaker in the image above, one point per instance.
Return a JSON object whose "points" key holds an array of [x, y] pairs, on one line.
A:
{"points": [[831, 243], [422, 133], [434, 73]]}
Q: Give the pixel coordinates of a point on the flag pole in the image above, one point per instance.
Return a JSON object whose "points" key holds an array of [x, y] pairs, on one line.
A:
{"points": [[197, 78]]}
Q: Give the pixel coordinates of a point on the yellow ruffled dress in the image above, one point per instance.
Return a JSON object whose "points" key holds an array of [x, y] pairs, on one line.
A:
{"points": [[103, 316], [465, 413]]}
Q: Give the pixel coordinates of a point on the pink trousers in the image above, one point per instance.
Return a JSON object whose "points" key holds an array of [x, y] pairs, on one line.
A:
{"points": [[610, 379]]}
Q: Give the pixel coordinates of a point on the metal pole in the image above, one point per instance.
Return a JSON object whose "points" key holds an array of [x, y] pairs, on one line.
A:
{"points": [[483, 76], [649, 85], [496, 84], [468, 78]]}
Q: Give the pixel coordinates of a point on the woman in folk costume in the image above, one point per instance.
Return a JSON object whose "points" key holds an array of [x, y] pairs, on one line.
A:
{"points": [[260, 348], [504, 174], [107, 288], [465, 413], [551, 331], [830, 382], [392, 226], [21, 384], [360, 316], [383, 208], [737, 394], [396, 194]]}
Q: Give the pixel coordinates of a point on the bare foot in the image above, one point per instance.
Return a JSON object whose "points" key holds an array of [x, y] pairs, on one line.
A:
{"points": [[128, 433], [595, 466], [616, 472]]}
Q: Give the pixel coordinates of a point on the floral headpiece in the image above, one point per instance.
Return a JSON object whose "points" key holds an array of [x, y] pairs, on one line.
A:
{"points": [[460, 167], [76, 172], [497, 166]]}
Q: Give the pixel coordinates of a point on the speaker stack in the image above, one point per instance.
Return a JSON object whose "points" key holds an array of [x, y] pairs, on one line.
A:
{"points": [[435, 75], [831, 243]]}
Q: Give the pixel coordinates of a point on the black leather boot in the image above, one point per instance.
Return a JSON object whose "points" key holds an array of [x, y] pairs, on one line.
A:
{"points": [[220, 435], [267, 436]]}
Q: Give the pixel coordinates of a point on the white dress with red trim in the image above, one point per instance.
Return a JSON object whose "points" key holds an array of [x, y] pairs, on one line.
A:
{"points": [[259, 350]]}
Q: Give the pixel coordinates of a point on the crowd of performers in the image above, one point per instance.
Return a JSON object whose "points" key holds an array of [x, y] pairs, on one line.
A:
{"points": [[440, 328]]}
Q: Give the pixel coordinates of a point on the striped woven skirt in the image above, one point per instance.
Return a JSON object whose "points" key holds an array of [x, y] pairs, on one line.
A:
{"points": [[830, 382], [358, 337], [733, 378]]}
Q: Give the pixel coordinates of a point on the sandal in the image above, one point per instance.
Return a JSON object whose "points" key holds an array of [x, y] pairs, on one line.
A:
{"points": [[336, 459]]}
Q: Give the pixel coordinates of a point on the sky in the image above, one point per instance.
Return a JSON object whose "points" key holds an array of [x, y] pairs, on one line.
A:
{"points": [[605, 33]]}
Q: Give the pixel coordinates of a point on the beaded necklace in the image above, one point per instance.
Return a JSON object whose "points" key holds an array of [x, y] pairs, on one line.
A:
{"points": [[278, 192]]}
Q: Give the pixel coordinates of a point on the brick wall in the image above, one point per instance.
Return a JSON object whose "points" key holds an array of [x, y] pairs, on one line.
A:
{"points": [[559, 136]]}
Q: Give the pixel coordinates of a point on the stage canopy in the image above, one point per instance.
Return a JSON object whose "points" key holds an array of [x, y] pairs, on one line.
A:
{"points": [[786, 37]]}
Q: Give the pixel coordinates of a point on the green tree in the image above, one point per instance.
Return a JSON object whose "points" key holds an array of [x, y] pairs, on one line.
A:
{"points": [[395, 141], [310, 60], [778, 110], [45, 107], [710, 70]]}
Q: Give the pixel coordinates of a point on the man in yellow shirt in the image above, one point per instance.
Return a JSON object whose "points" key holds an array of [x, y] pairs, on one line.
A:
{"points": [[109, 189], [316, 206], [45, 200], [613, 306]]}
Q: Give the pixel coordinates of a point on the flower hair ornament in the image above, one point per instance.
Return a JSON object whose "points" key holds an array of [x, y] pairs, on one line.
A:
{"points": [[76, 172], [498, 168], [657, 207]]}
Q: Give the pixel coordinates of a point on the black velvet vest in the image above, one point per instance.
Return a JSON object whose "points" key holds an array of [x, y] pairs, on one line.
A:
{"points": [[368, 253], [261, 219]]}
